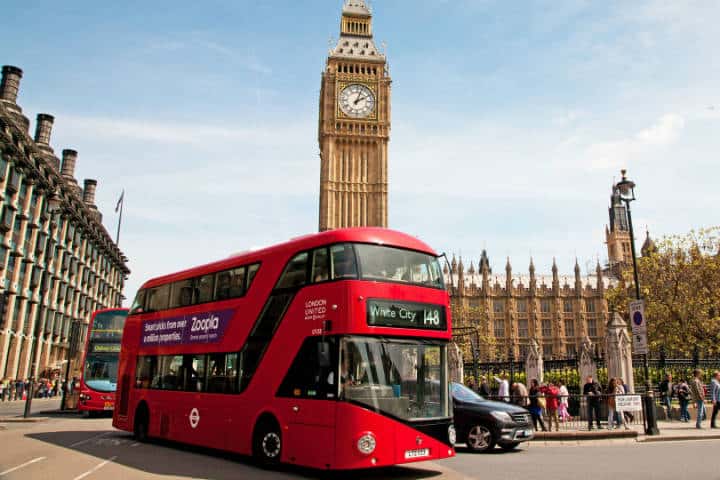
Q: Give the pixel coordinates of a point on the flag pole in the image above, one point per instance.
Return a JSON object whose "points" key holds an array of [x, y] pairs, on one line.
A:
{"points": [[121, 204]]}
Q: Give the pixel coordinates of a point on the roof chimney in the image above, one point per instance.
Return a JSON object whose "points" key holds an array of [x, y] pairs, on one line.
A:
{"points": [[10, 84], [69, 159], [43, 128], [89, 192]]}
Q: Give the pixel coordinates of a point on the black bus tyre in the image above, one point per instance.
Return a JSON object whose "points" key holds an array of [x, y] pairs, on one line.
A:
{"points": [[267, 443], [141, 424], [480, 438]]}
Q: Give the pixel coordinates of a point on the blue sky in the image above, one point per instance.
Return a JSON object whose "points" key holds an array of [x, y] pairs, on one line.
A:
{"points": [[509, 119]]}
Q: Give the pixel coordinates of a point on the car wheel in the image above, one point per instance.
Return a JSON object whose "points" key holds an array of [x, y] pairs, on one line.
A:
{"points": [[509, 446], [480, 439], [267, 444]]}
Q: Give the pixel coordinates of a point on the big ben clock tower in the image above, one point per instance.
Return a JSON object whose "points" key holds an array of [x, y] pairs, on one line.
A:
{"points": [[354, 126]]}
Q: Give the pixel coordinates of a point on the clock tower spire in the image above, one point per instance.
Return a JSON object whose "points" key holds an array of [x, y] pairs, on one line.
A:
{"points": [[354, 126]]}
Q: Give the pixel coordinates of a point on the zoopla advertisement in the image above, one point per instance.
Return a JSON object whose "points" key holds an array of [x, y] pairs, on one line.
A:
{"points": [[206, 327]]}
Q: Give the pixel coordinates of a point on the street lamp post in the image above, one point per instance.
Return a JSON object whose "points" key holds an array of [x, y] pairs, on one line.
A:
{"points": [[626, 188], [53, 202]]}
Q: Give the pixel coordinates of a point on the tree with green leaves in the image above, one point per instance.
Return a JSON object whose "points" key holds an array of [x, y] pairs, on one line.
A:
{"points": [[680, 282]]}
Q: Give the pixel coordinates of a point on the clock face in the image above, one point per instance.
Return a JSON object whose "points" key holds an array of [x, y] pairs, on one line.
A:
{"points": [[357, 101]]}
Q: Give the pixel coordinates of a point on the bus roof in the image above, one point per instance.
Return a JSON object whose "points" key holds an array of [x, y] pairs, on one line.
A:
{"points": [[375, 235]]}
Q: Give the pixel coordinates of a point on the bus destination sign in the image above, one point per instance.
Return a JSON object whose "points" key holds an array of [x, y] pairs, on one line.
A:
{"points": [[206, 327], [105, 348], [387, 313]]}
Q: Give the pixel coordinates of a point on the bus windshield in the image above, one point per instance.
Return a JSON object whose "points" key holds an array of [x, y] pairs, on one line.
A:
{"points": [[398, 265], [101, 372], [403, 378]]}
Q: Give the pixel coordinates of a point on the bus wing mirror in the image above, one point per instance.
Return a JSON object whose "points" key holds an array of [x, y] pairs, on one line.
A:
{"points": [[323, 354]]}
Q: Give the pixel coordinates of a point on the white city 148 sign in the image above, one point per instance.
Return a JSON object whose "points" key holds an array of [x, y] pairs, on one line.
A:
{"points": [[639, 327]]}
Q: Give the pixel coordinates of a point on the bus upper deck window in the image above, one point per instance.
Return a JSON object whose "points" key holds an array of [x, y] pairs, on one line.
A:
{"points": [[343, 261]]}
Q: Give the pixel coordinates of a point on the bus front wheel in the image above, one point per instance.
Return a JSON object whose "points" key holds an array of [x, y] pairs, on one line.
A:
{"points": [[141, 424], [267, 443]]}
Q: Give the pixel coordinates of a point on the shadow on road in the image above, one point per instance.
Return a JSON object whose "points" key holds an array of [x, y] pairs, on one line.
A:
{"points": [[161, 457]]}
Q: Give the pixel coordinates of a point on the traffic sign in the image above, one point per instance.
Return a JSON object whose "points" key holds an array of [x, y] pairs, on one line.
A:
{"points": [[639, 327]]}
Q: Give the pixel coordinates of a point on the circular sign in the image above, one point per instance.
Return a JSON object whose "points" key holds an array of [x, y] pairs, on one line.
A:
{"points": [[194, 417], [637, 318]]}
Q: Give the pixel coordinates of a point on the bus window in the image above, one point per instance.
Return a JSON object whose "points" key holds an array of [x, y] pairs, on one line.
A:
{"points": [[157, 298], [343, 261], [194, 373], [252, 270], [139, 303], [168, 375], [307, 377], [295, 273], [230, 284], [182, 293], [204, 288], [320, 267], [222, 373], [145, 371]]}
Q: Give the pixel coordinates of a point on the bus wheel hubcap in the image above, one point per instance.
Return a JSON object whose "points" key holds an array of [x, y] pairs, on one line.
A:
{"points": [[271, 444]]}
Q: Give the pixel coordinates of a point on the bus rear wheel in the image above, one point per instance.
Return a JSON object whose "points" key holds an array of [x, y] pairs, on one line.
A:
{"points": [[141, 424], [267, 443]]}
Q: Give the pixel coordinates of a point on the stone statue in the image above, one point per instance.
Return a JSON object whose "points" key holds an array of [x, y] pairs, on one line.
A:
{"points": [[586, 361], [455, 363], [534, 362], [619, 351]]}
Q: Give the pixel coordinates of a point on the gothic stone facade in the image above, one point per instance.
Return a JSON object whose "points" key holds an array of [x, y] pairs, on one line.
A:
{"points": [[354, 127], [508, 311], [56, 267]]}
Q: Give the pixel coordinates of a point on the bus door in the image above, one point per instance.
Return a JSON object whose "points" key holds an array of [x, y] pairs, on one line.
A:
{"points": [[203, 413], [310, 390]]}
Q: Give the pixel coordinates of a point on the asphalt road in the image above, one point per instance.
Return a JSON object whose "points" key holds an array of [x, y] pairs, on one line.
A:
{"points": [[76, 448]]}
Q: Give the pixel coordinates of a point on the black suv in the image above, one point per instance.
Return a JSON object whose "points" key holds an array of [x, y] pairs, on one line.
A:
{"points": [[482, 423]]}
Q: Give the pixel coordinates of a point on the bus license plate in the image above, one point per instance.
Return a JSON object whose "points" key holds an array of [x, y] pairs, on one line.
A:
{"points": [[108, 406], [417, 453]]}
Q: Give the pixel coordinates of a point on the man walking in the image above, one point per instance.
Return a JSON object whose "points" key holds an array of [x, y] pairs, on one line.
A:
{"points": [[715, 396], [592, 393], [484, 387], [697, 390], [666, 394]]}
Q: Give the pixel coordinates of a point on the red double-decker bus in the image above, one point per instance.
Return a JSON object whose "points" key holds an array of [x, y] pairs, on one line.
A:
{"points": [[328, 351], [100, 365]]}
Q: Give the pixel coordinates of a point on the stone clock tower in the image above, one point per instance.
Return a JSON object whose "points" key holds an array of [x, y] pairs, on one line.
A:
{"points": [[354, 126]]}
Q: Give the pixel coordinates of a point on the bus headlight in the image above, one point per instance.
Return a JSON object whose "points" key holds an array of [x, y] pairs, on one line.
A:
{"points": [[366, 443], [451, 434], [84, 397]]}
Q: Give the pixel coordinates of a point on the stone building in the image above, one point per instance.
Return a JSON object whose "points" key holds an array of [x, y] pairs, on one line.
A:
{"points": [[354, 126], [57, 262], [501, 314]]}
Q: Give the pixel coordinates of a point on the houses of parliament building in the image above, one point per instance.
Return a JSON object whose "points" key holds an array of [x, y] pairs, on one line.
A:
{"points": [[499, 313]]}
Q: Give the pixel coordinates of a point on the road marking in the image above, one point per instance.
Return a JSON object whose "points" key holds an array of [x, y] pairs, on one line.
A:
{"points": [[134, 444], [34, 460], [89, 439], [95, 468]]}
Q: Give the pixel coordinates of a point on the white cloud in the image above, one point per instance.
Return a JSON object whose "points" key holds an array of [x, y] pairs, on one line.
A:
{"points": [[612, 154]]}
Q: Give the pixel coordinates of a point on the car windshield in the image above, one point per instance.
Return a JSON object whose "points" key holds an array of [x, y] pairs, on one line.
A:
{"points": [[462, 393], [403, 378], [398, 265]]}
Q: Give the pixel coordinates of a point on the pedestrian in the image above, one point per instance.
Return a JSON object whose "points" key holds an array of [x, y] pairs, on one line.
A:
{"points": [[629, 417], [564, 396], [682, 390], [614, 390], [666, 393], [19, 386], [715, 397], [697, 390], [3, 386], [593, 393], [471, 384], [503, 388], [535, 406], [484, 387], [519, 394], [552, 403]]}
